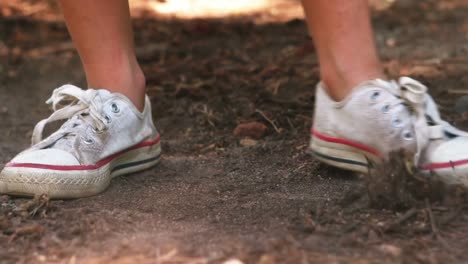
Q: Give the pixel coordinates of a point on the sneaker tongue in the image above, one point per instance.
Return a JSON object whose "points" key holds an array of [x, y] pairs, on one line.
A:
{"points": [[102, 95], [65, 143], [388, 85]]}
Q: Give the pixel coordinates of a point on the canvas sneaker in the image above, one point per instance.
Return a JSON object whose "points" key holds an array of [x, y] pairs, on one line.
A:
{"points": [[379, 117], [104, 136]]}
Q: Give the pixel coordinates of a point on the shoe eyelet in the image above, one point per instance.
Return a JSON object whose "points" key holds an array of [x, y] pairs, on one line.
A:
{"points": [[407, 135], [115, 108], [96, 131], [375, 95], [88, 141], [397, 122], [108, 119], [385, 109]]}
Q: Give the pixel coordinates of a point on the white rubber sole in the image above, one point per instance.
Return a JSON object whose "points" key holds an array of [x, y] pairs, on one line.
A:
{"points": [[453, 173], [341, 153], [71, 183]]}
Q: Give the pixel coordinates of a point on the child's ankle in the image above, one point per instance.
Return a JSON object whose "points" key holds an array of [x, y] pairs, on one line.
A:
{"points": [[339, 86], [127, 79]]}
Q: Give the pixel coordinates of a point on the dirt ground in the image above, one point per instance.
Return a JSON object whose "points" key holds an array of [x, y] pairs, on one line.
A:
{"points": [[216, 196]]}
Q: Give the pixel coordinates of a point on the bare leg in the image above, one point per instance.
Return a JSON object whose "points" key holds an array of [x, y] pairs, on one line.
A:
{"points": [[344, 41], [102, 33]]}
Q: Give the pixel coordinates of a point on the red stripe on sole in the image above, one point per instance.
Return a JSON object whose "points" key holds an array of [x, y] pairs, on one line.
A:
{"points": [[444, 165], [84, 167], [432, 166], [345, 142]]}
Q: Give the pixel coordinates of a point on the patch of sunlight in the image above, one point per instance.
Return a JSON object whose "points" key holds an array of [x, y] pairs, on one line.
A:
{"points": [[219, 8], [209, 8]]}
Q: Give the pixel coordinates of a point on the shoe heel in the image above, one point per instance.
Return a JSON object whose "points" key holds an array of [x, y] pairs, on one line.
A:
{"points": [[339, 155], [137, 160]]}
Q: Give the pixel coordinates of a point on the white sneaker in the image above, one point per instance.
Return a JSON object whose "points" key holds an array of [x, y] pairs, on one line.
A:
{"points": [[379, 117], [104, 136]]}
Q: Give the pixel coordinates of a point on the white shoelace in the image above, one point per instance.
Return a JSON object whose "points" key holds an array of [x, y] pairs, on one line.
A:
{"points": [[422, 105], [415, 95], [68, 101]]}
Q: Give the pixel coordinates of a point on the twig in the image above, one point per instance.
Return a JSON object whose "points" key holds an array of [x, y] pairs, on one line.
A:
{"points": [[405, 217], [290, 123], [169, 255], [269, 121], [209, 115], [457, 91], [434, 228], [274, 87]]}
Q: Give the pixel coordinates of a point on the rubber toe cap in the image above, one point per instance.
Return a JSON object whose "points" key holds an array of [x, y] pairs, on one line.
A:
{"points": [[450, 161], [46, 157], [454, 150]]}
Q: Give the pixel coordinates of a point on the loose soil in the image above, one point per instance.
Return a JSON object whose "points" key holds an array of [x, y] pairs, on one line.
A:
{"points": [[217, 196]]}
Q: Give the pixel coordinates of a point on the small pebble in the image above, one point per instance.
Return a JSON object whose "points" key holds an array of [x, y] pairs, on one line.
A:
{"points": [[255, 130], [390, 250], [248, 142]]}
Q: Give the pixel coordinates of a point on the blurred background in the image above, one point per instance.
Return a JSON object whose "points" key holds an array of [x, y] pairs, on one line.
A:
{"points": [[169, 8]]}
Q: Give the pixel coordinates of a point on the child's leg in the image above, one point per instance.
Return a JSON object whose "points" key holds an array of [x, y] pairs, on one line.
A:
{"points": [[378, 116], [102, 33], [343, 38], [104, 135]]}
